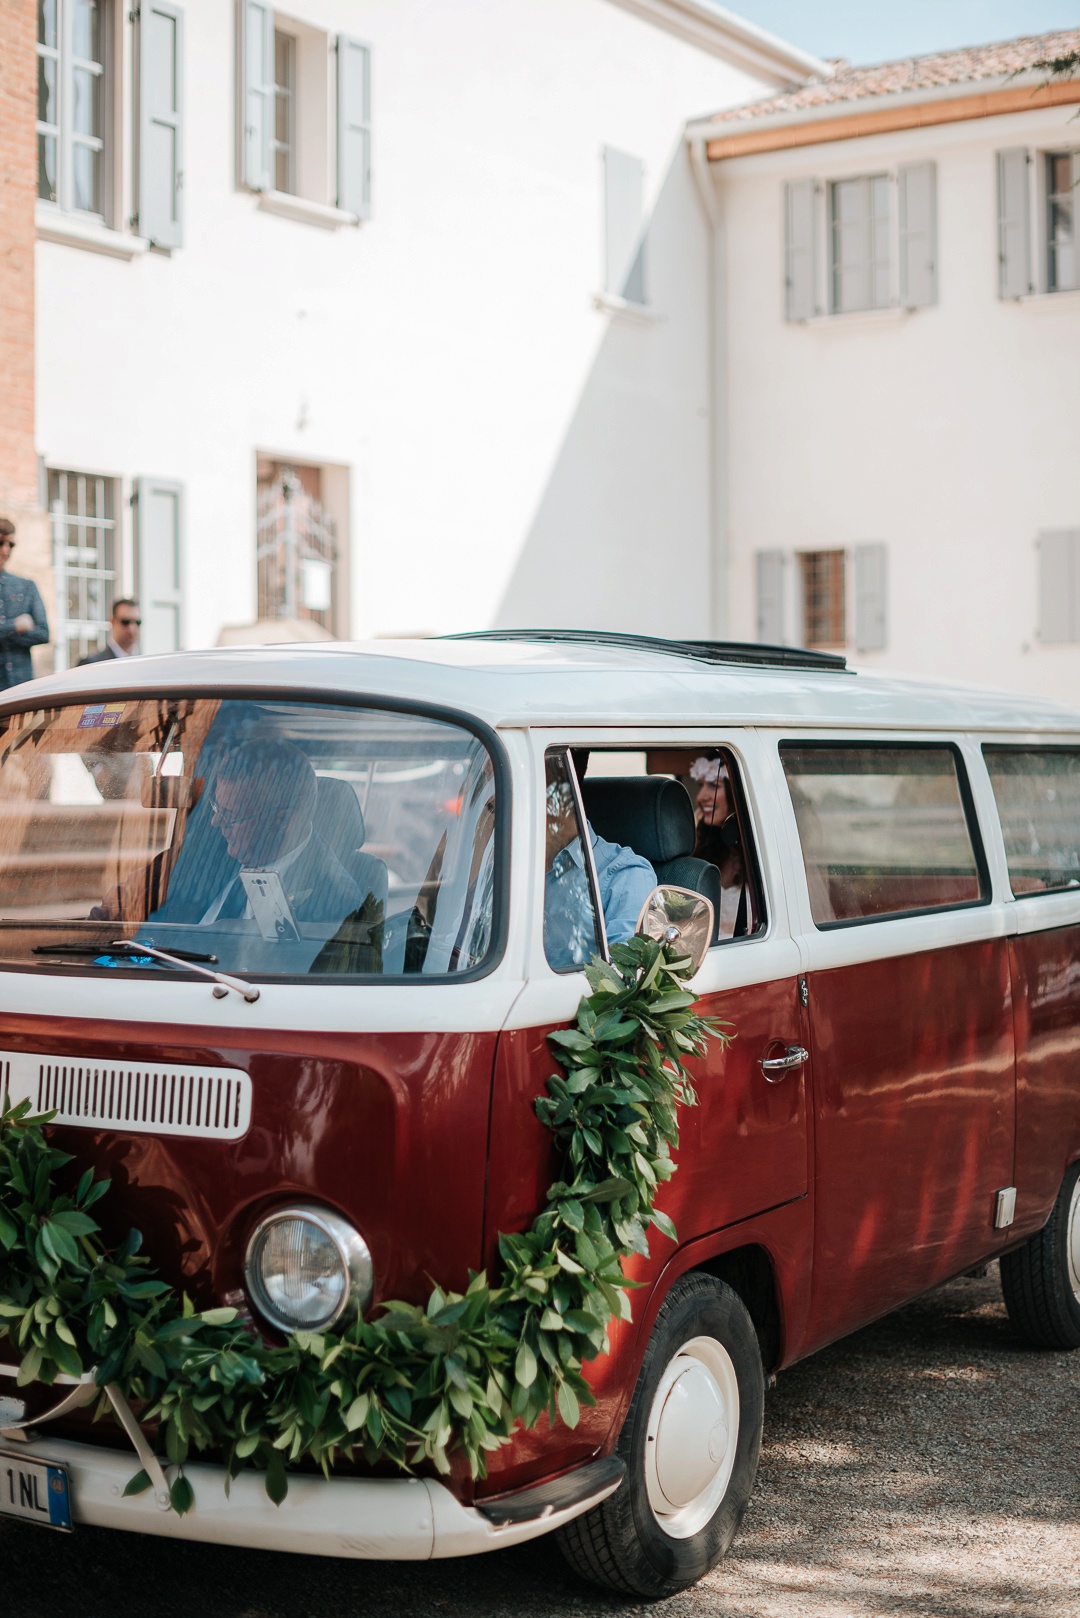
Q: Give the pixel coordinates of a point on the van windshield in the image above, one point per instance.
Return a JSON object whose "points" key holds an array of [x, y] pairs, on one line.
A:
{"points": [[276, 838]]}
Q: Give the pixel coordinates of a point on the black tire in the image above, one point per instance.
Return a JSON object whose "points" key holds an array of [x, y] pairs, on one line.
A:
{"points": [[1041, 1280], [624, 1543]]}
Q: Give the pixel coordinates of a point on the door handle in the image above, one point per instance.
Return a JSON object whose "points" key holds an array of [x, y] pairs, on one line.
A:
{"points": [[774, 1067]]}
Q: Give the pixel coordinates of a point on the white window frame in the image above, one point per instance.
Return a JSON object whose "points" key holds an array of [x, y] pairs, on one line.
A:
{"points": [[284, 96], [63, 131], [67, 488], [868, 264], [1047, 200]]}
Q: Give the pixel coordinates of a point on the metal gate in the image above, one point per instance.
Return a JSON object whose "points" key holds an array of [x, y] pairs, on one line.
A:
{"points": [[296, 552]]}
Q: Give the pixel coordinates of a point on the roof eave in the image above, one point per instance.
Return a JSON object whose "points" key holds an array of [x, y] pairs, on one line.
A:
{"points": [[714, 29], [734, 131]]}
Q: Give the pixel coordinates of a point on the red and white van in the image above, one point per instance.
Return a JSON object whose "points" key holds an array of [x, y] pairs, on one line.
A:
{"points": [[896, 875]]}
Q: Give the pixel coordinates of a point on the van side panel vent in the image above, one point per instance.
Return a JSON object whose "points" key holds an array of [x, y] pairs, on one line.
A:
{"points": [[161, 1098]]}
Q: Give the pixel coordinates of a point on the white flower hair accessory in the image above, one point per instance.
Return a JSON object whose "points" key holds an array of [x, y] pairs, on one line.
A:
{"points": [[708, 769]]}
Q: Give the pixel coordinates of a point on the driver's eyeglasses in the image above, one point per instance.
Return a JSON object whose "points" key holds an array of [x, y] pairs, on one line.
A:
{"points": [[127, 622], [7, 544], [231, 817]]}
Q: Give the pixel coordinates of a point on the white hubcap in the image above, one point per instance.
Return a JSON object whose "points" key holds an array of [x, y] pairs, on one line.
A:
{"points": [[692, 1436], [1072, 1241]]}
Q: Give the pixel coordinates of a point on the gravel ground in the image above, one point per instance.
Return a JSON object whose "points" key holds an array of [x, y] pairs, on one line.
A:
{"points": [[927, 1465]]}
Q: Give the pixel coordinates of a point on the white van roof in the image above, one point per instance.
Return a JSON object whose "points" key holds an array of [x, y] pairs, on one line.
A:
{"points": [[602, 681]]}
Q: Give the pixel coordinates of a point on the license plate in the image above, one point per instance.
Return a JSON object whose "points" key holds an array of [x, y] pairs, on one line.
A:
{"points": [[35, 1491]]}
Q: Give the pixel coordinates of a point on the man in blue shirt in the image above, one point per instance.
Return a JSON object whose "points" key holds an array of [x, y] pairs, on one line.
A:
{"points": [[22, 616], [624, 878]]}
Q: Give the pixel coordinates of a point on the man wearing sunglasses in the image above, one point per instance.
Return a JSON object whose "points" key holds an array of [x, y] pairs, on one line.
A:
{"points": [[124, 626], [22, 616]]}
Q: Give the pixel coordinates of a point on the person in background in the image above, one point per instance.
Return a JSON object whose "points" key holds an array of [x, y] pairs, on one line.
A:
{"points": [[124, 626], [22, 616]]}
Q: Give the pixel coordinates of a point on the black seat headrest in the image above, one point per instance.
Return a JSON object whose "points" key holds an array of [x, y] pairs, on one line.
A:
{"points": [[338, 818], [651, 814]]}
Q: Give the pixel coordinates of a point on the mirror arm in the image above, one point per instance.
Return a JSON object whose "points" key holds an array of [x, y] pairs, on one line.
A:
{"points": [[587, 853]]}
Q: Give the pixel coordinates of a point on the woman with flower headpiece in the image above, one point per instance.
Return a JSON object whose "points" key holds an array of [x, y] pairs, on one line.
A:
{"points": [[718, 841]]}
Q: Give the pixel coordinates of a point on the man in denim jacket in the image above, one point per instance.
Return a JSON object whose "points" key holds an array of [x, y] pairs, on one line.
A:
{"points": [[22, 616]]}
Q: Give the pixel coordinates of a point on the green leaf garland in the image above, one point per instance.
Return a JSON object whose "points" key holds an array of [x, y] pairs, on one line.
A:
{"points": [[412, 1384]]}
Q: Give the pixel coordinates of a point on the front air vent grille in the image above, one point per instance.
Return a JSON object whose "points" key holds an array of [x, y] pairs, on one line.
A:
{"points": [[159, 1098]]}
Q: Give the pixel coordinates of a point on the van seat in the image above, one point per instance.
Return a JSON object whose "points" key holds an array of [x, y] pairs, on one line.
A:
{"points": [[654, 816], [339, 821]]}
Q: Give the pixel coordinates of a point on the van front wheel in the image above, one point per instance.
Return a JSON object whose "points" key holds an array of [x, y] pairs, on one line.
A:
{"points": [[1041, 1280], [690, 1442]]}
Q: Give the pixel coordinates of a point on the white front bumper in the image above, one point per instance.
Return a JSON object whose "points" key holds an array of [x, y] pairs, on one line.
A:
{"points": [[377, 1519]]}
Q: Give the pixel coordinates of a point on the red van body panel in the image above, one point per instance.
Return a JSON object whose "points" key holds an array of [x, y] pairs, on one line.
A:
{"points": [[743, 1150], [1046, 979], [914, 1098], [390, 1129]]}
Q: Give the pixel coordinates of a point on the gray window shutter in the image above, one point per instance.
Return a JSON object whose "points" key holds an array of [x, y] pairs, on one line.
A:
{"points": [[1059, 585], [257, 57], [770, 597], [800, 249], [354, 127], [870, 598], [1014, 223], [159, 513], [918, 234], [624, 217], [161, 121]]}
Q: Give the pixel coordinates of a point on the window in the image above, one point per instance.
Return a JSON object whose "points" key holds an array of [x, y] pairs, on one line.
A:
{"points": [[682, 810], [1038, 801], [296, 549], [859, 243], [86, 549], [1063, 260], [283, 141], [71, 104], [278, 838], [823, 598], [884, 830], [289, 103], [880, 234], [624, 227], [1055, 267]]}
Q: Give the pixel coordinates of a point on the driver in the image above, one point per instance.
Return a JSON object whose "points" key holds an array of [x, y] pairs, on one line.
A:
{"points": [[263, 804]]}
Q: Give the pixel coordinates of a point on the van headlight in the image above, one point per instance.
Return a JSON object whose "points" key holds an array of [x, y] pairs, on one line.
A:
{"points": [[304, 1267]]}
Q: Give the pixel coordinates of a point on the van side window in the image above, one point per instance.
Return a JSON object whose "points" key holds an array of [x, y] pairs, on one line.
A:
{"points": [[884, 830], [571, 933], [683, 809], [1037, 790]]}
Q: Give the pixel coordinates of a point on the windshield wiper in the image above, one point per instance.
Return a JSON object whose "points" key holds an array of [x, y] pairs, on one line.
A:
{"points": [[222, 984], [99, 949], [187, 961]]}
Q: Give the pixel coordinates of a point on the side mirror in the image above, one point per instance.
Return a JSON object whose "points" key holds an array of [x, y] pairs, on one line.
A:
{"points": [[678, 916]]}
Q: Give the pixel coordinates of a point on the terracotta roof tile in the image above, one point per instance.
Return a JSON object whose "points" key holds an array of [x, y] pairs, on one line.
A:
{"points": [[965, 66]]}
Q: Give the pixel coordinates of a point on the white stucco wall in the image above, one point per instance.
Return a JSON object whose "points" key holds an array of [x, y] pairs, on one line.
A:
{"points": [[951, 433], [497, 428]]}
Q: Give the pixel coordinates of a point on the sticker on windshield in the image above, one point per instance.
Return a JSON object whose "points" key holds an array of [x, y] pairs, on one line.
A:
{"points": [[101, 715]]}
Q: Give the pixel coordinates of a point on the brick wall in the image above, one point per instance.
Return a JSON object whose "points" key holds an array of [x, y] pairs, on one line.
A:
{"points": [[18, 189]]}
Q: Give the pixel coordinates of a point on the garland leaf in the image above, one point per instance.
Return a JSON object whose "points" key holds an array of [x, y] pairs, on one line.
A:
{"points": [[413, 1384]]}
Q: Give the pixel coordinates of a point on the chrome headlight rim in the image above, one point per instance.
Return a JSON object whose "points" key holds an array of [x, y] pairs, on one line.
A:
{"points": [[352, 1250]]}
